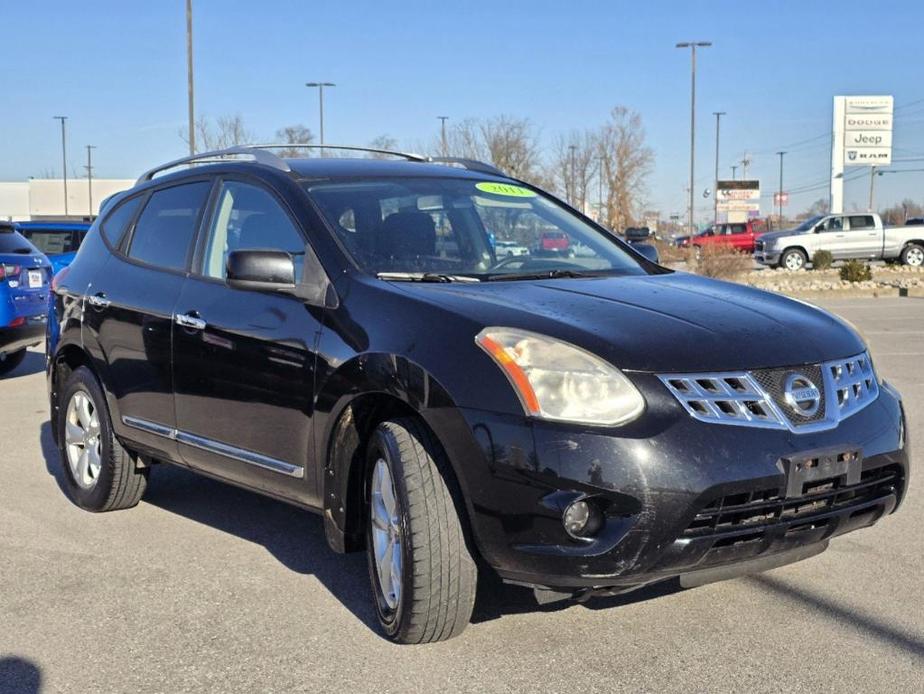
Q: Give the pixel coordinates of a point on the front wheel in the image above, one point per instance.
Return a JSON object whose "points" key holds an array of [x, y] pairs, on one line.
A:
{"points": [[913, 255], [9, 361], [423, 576], [793, 259]]}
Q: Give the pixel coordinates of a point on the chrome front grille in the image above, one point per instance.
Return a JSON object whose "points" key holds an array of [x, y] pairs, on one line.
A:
{"points": [[759, 398]]}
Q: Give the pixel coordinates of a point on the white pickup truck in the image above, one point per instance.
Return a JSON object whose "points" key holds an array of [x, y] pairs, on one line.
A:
{"points": [[845, 236]]}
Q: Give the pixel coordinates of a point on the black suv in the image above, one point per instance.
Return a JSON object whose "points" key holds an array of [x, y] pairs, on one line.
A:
{"points": [[339, 333]]}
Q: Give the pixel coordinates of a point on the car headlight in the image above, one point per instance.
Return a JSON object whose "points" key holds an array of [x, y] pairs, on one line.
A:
{"points": [[558, 381]]}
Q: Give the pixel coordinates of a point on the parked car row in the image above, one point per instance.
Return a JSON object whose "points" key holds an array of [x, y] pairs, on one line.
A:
{"points": [[860, 236], [31, 253]]}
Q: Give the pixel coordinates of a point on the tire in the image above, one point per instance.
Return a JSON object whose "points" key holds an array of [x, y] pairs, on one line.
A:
{"points": [[8, 362], [435, 575], [114, 482], [913, 255], [793, 259]]}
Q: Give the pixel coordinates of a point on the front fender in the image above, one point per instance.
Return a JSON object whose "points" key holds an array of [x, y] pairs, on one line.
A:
{"points": [[351, 401]]}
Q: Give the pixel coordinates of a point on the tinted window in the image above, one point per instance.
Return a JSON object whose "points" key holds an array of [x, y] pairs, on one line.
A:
{"points": [[245, 217], [861, 221], [167, 225], [114, 224], [13, 242], [738, 228]]}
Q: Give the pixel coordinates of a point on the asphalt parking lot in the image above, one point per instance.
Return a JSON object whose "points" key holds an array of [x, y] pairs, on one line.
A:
{"points": [[204, 587]]}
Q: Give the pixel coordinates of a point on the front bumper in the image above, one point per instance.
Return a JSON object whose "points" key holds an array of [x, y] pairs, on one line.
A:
{"points": [[680, 496], [766, 257], [27, 335]]}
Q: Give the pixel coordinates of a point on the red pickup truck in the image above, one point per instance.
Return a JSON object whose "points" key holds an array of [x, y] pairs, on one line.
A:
{"points": [[738, 235]]}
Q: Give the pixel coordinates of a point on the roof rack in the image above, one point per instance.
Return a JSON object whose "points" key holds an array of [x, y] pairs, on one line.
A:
{"points": [[470, 164], [216, 156], [261, 154], [353, 148]]}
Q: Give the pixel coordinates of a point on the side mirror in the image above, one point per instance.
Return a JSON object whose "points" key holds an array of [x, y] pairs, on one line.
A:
{"points": [[265, 270], [647, 250]]}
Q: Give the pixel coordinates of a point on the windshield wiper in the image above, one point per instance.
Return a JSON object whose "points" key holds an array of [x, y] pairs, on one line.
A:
{"points": [[544, 275], [424, 277]]}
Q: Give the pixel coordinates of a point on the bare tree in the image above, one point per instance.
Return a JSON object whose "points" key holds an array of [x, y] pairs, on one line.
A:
{"points": [[625, 162], [820, 206], [574, 167], [897, 214], [511, 144], [225, 131], [383, 141], [297, 134]]}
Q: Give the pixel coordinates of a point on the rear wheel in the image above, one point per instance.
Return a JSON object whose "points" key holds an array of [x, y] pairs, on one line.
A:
{"points": [[423, 576], [793, 259], [101, 475], [913, 255], [10, 360]]}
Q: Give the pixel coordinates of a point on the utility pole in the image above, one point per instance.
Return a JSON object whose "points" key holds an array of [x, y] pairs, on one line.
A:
{"points": [[745, 163], [780, 201], [734, 169], [89, 168], [320, 86], [573, 200], [190, 92], [715, 189], [693, 45], [443, 120], [872, 177], [64, 157]]}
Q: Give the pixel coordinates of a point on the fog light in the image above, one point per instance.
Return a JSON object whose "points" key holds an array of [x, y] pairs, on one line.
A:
{"points": [[582, 519]]}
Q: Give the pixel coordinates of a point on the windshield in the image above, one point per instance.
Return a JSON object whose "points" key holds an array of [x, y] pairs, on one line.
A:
{"points": [[455, 228], [809, 223]]}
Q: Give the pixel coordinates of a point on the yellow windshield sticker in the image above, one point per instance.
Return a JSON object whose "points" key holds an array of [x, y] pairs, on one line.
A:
{"points": [[507, 189]]}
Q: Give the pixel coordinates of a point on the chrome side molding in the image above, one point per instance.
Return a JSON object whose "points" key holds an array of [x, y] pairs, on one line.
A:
{"points": [[205, 444]]}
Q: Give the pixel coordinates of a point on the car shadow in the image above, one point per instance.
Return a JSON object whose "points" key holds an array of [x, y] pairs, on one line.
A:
{"points": [[295, 538], [33, 363]]}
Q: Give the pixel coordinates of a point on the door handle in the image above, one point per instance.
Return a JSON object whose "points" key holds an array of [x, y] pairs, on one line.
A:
{"points": [[98, 300], [190, 320]]}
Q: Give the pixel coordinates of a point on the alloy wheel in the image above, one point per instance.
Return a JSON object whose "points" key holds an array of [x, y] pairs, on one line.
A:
{"points": [[386, 534], [82, 439], [914, 257], [794, 261]]}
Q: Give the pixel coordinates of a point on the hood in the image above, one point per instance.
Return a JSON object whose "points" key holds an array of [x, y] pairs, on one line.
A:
{"points": [[662, 323], [771, 235]]}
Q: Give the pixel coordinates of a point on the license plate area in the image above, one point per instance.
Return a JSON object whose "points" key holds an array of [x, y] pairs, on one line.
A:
{"points": [[35, 279], [806, 471]]}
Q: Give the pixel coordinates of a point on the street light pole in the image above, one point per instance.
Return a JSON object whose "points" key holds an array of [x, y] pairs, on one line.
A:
{"points": [[693, 45], [445, 147], [600, 192], [573, 201], [780, 201], [734, 169], [190, 93], [320, 86], [872, 177], [715, 190], [89, 168], [64, 158]]}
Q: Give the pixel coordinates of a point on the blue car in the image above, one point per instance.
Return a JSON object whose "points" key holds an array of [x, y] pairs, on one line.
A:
{"points": [[59, 241], [25, 277]]}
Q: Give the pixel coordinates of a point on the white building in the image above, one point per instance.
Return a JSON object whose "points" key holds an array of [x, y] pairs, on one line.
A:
{"points": [[43, 198]]}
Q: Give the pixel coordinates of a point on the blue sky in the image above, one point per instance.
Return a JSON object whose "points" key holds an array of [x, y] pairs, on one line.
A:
{"points": [[117, 69]]}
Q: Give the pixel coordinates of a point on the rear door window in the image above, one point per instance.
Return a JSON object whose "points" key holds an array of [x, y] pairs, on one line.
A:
{"points": [[861, 221], [116, 222], [164, 232]]}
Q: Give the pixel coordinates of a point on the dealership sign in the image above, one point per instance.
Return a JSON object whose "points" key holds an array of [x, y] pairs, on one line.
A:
{"points": [[866, 133], [738, 200]]}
